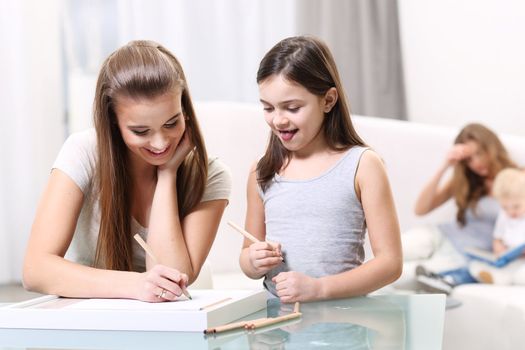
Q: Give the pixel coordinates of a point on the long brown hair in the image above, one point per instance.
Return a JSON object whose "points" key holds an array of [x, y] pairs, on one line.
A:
{"points": [[306, 61], [140, 69], [467, 186]]}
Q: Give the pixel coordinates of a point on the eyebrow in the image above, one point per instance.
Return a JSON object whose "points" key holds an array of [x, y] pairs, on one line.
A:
{"points": [[282, 102], [146, 126]]}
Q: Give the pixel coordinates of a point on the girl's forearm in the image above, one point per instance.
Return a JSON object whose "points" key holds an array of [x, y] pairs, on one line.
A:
{"points": [[372, 275]]}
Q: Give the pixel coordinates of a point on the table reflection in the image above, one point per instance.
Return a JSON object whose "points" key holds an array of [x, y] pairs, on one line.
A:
{"points": [[361, 323]]}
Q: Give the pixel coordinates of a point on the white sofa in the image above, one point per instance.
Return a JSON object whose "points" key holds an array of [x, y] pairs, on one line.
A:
{"points": [[412, 152]]}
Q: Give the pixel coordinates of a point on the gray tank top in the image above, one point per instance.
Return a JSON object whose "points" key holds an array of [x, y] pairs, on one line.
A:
{"points": [[319, 222]]}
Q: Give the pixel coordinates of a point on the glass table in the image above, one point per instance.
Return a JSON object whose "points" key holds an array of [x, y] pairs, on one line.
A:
{"points": [[372, 322]]}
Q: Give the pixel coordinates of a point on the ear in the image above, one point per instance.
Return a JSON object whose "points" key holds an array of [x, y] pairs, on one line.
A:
{"points": [[330, 99]]}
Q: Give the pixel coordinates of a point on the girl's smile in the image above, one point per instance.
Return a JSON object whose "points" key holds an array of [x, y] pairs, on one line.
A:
{"points": [[287, 135]]}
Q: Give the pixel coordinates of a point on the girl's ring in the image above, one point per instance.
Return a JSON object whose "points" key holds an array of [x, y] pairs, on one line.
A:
{"points": [[162, 294]]}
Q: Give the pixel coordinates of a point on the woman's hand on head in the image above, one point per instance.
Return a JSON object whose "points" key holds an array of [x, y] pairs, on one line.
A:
{"points": [[161, 283], [295, 286], [184, 147], [459, 152], [264, 256]]}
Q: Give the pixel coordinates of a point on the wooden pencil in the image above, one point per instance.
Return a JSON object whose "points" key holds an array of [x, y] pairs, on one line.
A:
{"points": [[148, 251], [246, 234], [296, 307], [146, 248], [274, 320], [231, 326], [243, 232], [238, 331], [253, 324]]}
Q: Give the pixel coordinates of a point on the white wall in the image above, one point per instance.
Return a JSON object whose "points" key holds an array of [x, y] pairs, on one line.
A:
{"points": [[464, 61]]}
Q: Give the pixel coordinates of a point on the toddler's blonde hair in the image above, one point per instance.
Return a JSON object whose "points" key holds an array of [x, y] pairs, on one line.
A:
{"points": [[509, 183]]}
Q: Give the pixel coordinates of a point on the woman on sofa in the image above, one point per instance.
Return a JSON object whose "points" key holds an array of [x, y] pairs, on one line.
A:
{"points": [[476, 157], [143, 170]]}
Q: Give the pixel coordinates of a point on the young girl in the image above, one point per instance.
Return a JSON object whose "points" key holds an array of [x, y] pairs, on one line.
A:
{"points": [[317, 189], [144, 169]]}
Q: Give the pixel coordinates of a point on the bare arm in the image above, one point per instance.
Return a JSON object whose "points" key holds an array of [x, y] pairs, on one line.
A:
{"points": [[257, 258], [383, 230], [184, 245], [432, 195], [46, 270]]}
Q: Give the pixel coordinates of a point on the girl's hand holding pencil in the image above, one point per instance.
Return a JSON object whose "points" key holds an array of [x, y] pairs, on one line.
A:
{"points": [[263, 255]]}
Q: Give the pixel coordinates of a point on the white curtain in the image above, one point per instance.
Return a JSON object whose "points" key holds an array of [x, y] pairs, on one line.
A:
{"points": [[31, 119], [4, 257], [365, 41], [219, 43]]}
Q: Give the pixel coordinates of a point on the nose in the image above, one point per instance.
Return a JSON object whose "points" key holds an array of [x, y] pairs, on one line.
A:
{"points": [[279, 120], [159, 141]]}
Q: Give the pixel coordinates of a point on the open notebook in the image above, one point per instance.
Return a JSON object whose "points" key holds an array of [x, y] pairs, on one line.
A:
{"points": [[493, 259]]}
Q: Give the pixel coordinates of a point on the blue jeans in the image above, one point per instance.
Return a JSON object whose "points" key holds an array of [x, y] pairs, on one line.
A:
{"points": [[459, 276]]}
